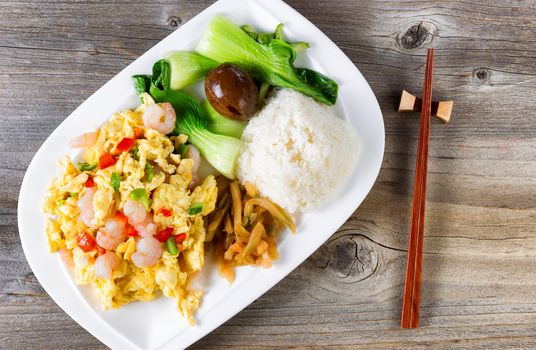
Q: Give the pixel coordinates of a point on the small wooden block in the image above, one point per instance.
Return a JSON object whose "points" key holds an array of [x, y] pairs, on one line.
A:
{"points": [[444, 109], [411, 103], [407, 102]]}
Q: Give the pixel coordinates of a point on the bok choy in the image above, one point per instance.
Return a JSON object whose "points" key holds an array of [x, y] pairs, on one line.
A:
{"points": [[178, 70], [268, 57], [219, 124], [265, 38], [220, 151], [187, 67]]}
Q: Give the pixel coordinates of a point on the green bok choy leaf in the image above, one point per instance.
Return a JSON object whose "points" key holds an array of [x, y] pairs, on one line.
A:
{"points": [[268, 59], [220, 124], [178, 70], [187, 67], [265, 38]]}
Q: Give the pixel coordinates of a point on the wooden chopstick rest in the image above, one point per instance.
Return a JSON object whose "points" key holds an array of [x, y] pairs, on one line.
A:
{"points": [[411, 103]]}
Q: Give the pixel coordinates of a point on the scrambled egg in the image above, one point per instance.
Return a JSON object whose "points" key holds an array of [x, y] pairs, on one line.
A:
{"points": [[149, 164]]}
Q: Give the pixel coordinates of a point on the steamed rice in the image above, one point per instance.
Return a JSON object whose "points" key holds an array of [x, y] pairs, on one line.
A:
{"points": [[297, 152]]}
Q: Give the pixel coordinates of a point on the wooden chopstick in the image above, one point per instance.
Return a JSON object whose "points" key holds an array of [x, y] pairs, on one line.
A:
{"points": [[412, 288]]}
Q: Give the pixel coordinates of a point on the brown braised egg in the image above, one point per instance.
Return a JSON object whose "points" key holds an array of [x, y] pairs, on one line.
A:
{"points": [[232, 91]]}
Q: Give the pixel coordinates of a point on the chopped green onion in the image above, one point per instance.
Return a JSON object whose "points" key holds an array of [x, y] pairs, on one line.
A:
{"points": [[59, 204], [115, 181], [136, 153], [149, 171], [73, 194], [172, 246], [183, 149], [195, 209], [141, 196], [83, 166]]}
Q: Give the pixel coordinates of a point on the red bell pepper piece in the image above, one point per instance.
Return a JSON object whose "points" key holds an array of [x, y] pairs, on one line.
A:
{"points": [[106, 160], [89, 182], [164, 234], [86, 242], [165, 212], [125, 144], [181, 237]]}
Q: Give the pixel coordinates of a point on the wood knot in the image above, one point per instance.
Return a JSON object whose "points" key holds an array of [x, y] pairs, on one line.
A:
{"points": [[174, 21], [350, 258], [418, 35], [482, 75]]}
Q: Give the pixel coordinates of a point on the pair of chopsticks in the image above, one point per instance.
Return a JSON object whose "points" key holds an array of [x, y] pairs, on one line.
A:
{"points": [[412, 287]]}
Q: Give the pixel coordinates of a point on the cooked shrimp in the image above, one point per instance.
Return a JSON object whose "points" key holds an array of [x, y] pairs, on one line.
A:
{"points": [[146, 228], [85, 204], [112, 234], [105, 264], [67, 257], [134, 211], [148, 251], [160, 117], [84, 141], [193, 154]]}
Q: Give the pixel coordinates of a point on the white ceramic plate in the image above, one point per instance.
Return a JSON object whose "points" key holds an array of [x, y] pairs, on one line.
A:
{"points": [[157, 324]]}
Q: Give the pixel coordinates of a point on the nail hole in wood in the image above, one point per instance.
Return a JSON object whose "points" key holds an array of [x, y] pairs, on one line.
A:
{"points": [[174, 21], [482, 73]]}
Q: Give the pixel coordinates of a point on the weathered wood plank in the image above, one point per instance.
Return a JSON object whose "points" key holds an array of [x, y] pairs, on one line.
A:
{"points": [[479, 285]]}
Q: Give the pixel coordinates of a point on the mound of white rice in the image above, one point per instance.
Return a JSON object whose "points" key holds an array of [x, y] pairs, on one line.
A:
{"points": [[297, 152]]}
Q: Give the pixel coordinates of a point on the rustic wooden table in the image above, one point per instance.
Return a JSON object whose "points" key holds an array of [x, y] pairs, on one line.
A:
{"points": [[479, 279]]}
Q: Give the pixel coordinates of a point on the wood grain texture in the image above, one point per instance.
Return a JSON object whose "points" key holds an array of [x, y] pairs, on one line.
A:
{"points": [[479, 273]]}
